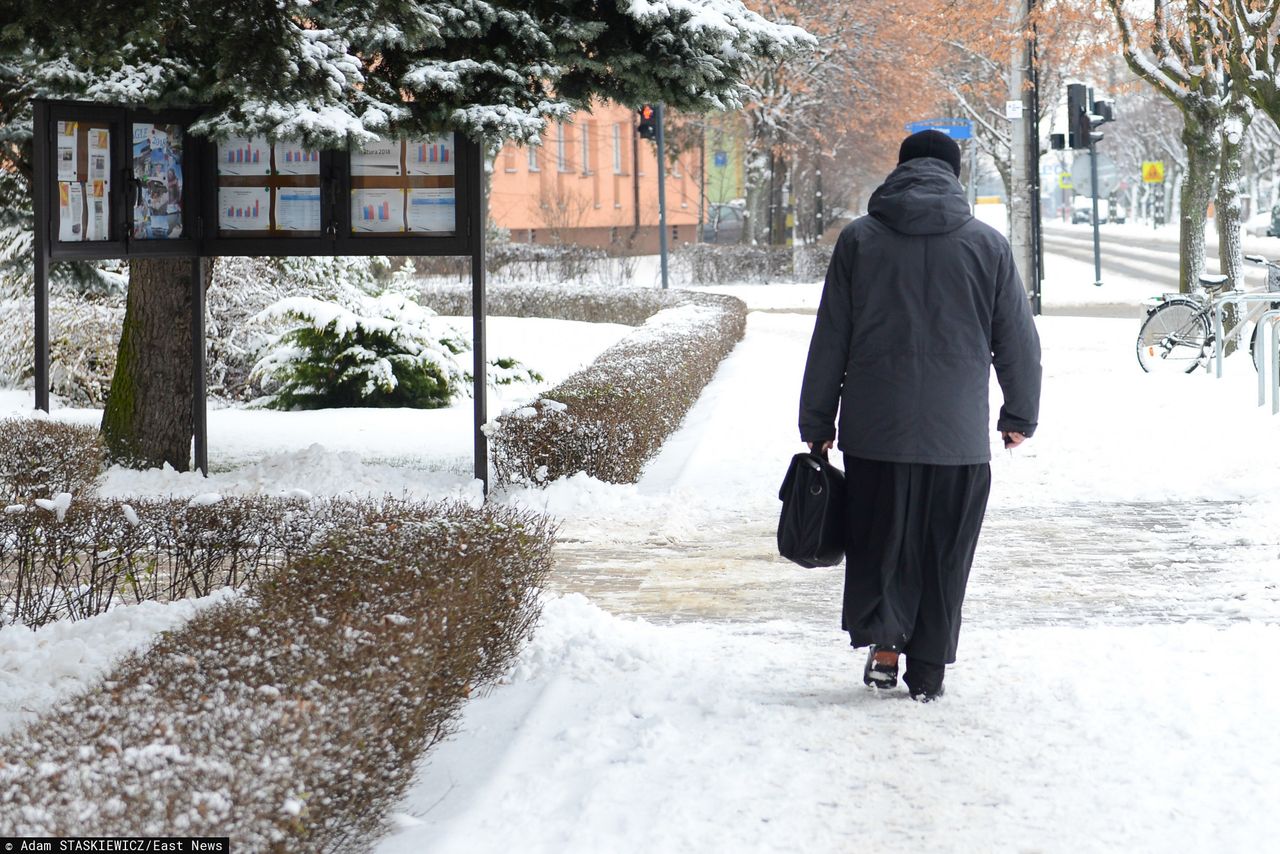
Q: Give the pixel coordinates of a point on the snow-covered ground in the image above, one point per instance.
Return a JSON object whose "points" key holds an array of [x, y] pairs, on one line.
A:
{"points": [[689, 691]]}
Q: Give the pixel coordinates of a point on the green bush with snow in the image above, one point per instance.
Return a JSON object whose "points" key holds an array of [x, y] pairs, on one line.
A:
{"points": [[389, 351]]}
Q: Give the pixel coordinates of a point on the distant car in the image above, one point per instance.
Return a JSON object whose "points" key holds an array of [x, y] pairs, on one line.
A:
{"points": [[1274, 230], [724, 224], [1082, 210], [1259, 225]]}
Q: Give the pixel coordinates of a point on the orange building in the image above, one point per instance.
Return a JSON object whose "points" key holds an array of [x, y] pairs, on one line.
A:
{"points": [[582, 185]]}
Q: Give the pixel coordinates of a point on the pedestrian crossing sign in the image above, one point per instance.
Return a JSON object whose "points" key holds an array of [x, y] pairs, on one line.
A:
{"points": [[1153, 171]]}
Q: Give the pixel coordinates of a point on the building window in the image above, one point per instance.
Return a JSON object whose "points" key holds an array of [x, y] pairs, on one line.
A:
{"points": [[617, 149], [586, 150], [533, 158], [562, 148], [509, 159]]}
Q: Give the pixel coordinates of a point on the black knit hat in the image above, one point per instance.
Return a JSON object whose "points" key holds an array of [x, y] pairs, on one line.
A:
{"points": [[931, 143]]}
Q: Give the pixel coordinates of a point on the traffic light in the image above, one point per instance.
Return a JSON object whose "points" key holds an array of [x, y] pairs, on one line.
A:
{"points": [[1078, 125], [648, 127]]}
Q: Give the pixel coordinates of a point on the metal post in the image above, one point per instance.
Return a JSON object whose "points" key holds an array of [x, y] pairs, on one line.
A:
{"points": [[662, 194], [199, 392], [817, 203], [1097, 239], [40, 152], [480, 365], [1033, 168], [973, 171]]}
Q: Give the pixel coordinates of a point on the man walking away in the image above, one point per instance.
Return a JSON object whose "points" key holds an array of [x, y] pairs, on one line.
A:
{"points": [[920, 301]]}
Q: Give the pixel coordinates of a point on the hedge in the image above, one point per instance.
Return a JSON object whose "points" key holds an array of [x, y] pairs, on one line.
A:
{"points": [[611, 418], [79, 557], [40, 458], [290, 718]]}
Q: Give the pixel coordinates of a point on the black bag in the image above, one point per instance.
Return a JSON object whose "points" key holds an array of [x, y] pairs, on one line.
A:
{"points": [[811, 528]]}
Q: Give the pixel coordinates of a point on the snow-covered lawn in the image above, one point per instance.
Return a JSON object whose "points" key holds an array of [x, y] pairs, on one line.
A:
{"points": [[689, 691]]}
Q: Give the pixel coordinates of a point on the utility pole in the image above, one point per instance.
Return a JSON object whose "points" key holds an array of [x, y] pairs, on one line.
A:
{"points": [[662, 194], [1020, 200], [1032, 112]]}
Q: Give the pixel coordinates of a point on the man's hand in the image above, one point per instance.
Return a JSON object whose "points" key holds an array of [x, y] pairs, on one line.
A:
{"points": [[1012, 440], [826, 446]]}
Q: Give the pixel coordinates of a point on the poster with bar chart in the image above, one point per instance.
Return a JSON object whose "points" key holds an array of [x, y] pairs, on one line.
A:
{"points": [[293, 159], [431, 156], [240, 155], [377, 210], [298, 209], [244, 208], [432, 210]]}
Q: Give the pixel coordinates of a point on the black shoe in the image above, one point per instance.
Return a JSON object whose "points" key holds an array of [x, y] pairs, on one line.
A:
{"points": [[928, 696], [879, 675], [924, 680]]}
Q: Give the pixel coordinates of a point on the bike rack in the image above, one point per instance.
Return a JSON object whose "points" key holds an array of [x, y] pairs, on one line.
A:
{"points": [[1271, 319], [1272, 332]]}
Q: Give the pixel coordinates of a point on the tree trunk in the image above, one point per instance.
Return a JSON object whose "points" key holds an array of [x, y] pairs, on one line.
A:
{"points": [[1227, 205], [148, 417], [1197, 189]]}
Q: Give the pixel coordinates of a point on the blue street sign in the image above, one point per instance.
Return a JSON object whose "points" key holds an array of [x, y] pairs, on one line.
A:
{"points": [[721, 159], [954, 128]]}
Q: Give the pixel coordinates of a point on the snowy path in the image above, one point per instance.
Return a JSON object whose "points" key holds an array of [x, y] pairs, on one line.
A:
{"points": [[1116, 685]]}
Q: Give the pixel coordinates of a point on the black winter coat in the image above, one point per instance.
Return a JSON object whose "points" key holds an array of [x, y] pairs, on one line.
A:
{"points": [[920, 301]]}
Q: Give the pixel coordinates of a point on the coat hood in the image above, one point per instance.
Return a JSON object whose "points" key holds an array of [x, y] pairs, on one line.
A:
{"points": [[921, 196]]}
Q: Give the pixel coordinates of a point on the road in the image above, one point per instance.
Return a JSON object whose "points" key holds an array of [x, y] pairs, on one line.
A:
{"points": [[1134, 252]]}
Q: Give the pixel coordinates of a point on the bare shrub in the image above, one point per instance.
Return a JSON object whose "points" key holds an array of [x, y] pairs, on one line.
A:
{"points": [[83, 338], [711, 264], [40, 458], [629, 306], [79, 560], [289, 719], [610, 418]]}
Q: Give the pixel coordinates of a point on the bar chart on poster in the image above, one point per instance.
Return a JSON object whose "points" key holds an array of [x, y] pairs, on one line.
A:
{"points": [[404, 186], [268, 189]]}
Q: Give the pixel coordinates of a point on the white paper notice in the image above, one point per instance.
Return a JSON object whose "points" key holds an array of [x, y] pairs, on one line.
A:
{"points": [[244, 208], [242, 155], [70, 211], [98, 229], [298, 209], [293, 159], [380, 157], [377, 210], [100, 156], [430, 156], [432, 210], [68, 162]]}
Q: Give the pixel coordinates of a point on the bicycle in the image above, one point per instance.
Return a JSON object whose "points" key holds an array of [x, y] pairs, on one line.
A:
{"points": [[1177, 334]]}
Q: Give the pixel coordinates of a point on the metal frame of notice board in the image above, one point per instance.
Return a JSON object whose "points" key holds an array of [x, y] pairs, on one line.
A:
{"points": [[147, 188]]}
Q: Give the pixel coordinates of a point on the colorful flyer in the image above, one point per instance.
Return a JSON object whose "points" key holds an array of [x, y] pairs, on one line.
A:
{"points": [[293, 159], [377, 210], [380, 157], [244, 208], [100, 156], [244, 155], [157, 166], [298, 209], [430, 156], [98, 222], [70, 211], [433, 209], [68, 151]]}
